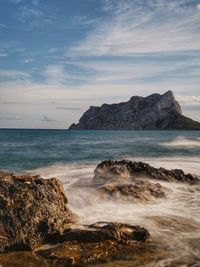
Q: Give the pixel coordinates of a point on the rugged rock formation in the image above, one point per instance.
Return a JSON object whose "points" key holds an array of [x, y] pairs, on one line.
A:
{"points": [[101, 241], [34, 211], [117, 171], [138, 191], [31, 209], [153, 112]]}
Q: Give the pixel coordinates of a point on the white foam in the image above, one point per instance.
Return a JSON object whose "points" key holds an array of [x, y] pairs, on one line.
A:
{"points": [[181, 142], [84, 200], [187, 164], [184, 205]]}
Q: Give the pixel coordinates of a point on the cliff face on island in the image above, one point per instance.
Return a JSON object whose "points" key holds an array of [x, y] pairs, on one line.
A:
{"points": [[152, 112]]}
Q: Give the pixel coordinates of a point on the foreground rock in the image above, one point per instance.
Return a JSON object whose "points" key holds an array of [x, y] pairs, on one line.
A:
{"points": [[118, 171], [139, 191], [101, 241], [34, 212], [31, 210], [152, 112]]}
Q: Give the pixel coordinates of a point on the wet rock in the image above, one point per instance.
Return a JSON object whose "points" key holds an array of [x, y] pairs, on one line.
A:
{"points": [[138, 191], [102, 231], [113, 171], [31, 209], [99, 242], [76, 253]]}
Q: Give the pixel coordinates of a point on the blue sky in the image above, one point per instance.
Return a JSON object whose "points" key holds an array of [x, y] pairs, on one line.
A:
{"points": [[59, 57]]}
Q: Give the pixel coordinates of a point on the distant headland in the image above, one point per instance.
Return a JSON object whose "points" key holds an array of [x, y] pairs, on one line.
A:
{"points": [[154, 112]]}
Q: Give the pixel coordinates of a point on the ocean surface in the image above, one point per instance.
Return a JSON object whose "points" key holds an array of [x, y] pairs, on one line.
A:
{"points": [[32, 149], [72, 156]]}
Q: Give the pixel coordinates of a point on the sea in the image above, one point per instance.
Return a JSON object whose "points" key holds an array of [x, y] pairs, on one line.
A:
{"points": [[174, 223]]}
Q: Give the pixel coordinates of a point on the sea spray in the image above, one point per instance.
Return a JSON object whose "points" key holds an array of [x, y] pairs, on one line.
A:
{"points": [[174, 223]]}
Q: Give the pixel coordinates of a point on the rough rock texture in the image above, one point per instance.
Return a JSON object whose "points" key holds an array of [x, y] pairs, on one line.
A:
{"points": [[117, 171], [139, 191], [101, 241], [31, 209], [153, 112], [101, 231]]}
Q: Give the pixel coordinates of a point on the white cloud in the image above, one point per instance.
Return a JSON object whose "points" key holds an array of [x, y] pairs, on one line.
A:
{"points": [[35, 2], [28, 60], [47, 119], [32, 17], [83, 21], [55, 74], [53, 50], [48, 97], [3, 54], [190, 101], [13, 74], [10, 118], [136, 28], [16, 1], [118, 58]]}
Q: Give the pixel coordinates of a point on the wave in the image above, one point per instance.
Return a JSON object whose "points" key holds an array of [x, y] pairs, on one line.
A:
{"points": [[172, 222], [181, 142], [187, 164]]}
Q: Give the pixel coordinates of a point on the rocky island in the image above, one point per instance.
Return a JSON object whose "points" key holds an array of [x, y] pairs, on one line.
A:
{"points": [[154, 112]]}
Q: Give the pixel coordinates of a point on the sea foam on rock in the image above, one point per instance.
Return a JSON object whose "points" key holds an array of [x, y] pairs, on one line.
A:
{"points": [[127, 180], [138, 191], [34, 211], [117, 171]]}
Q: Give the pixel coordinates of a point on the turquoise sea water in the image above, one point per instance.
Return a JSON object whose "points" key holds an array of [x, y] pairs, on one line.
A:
{"points": [[30, 149]]}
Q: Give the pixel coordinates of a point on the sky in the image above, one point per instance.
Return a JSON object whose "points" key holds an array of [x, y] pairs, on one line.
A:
{"points": [[58, 57]]}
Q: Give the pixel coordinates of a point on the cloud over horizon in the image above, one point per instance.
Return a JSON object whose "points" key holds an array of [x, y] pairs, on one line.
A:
{"points": [[63, 59]]}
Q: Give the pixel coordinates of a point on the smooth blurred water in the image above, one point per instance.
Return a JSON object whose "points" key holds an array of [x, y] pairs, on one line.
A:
{"points": [[72, 156], [22, 149]]}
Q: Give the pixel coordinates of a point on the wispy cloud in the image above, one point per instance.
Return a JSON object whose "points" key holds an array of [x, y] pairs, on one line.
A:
{"points": [[48, 119], [70, 108], [28, 14], [35, 2], [55, 74], [61, 74], [13, 75], [16, 1], [28, 60], [82, 21], [10, 118], [189, 101], [94, 56], [56, 98], [3, 54], [138, 27], [13, 103]]}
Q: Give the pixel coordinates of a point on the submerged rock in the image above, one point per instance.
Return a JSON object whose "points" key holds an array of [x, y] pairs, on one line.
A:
{"points": [[31, 210], [138, 191], [113, 171]]}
